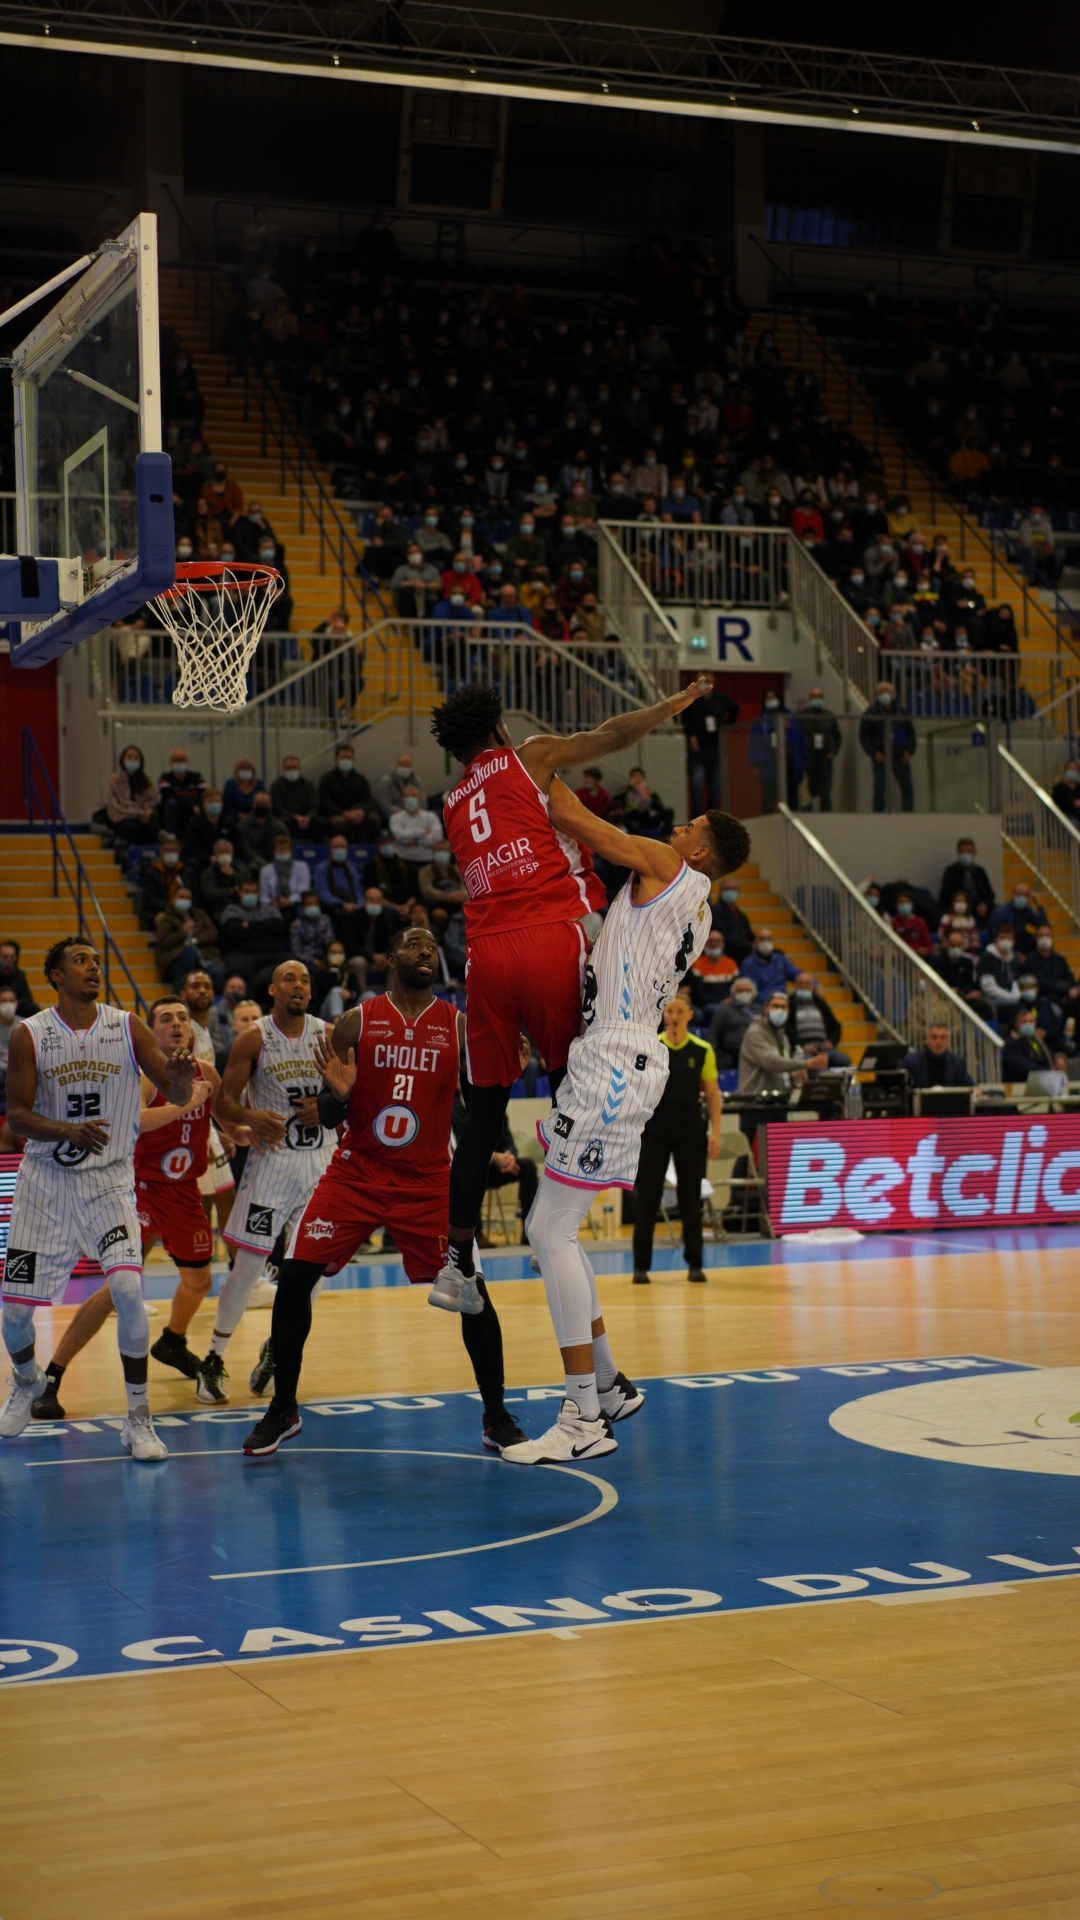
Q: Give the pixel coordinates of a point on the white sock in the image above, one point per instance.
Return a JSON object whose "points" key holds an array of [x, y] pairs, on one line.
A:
{"points": [[138, 1394], [581, 1388], [26, 1371], [603, 1362]]}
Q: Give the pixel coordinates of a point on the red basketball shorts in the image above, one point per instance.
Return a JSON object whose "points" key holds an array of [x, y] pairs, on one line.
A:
{"points": [[348, 1205], [532, 978], [174, 1215]]}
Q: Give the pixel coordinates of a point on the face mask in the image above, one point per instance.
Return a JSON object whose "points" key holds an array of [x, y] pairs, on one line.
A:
{"points": [[171, 859], [714, 951], [183, 553], [283, 862], [1027, 1028], [954, 953], [132, 766], [1006, 952], [179, 766], [857, 579], [249, 901], [412, 804], [874, 899], [372, 910], [213, 809], [1045, 946], [339, 854], [743, 999], [459, 566], [182, 903], [803, 994], [729, 895], [817, 705], [1030, 994], [431, 519], [904, 908], [266, 555], [885, 699], [764, 947], [292, 774], [778, 1016], [334, 958], [7, 1011], [1072, 776], [312, 913], [442, 859], [541, 488], [772, 706], [576, 573], [224, 861], [345, 763], [245, 775], [495, 573], [967, 859], [1020, 900]]}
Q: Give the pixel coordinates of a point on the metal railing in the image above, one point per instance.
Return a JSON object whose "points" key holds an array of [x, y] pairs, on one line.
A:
{"points": [[901, 990], [1034, 829], [834, 627], [707, 566], [40, 801], [1011, 687], [649, 640]]}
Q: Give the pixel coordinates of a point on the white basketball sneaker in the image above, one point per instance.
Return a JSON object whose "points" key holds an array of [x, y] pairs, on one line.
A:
{"points": [[15, 1412], [456, 1294], [138, 1436], [571, 1438], [263, 1293], [621, 1399]]}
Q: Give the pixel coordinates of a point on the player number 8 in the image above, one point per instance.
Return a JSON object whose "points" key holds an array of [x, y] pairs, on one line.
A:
{"points": [[478, 817]]}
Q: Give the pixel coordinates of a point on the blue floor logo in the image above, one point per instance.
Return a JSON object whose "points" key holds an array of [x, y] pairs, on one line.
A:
{"points": [[385, 1524]]}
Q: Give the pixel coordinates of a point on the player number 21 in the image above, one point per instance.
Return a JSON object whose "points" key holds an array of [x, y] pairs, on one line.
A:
{"points": [[478, 817], [403, 1086]]}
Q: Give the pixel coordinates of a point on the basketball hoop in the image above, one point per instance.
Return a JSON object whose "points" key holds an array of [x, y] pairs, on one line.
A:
{"points": [[215, 614]]}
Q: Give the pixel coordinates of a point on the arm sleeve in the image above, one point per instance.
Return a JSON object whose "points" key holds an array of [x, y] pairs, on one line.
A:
{"points": [[332, 1111]]}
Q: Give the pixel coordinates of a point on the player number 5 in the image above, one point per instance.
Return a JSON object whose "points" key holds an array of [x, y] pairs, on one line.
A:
{"points": [[478, 817]]}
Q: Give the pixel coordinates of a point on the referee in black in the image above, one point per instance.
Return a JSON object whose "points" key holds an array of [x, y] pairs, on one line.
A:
{"points": [[678, 1128]]}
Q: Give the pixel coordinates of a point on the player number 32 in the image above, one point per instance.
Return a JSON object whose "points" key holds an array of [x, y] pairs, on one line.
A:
{"points": [[479, 822]]}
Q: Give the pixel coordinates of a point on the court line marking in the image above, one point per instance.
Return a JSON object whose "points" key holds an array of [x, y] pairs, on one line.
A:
{"points": [[608, 1500]]}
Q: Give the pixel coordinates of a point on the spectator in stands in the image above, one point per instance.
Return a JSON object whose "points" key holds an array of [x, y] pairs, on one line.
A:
{"points": [[703, 723], [1035, 536], [999, 631], [640, 808], [729, 1024], [131, 802], [961, 920], [732, 922], [253, 936], [1053, 973], [336, 986], [821, 733], [1026, 1049], [958, 969], [1066, 792], [284, 879], [387, 547], [294, 800], [459, 577], [812, 1024], [221, 877], [592, 792], [911, 926], [159, 879], [1023, 914], [179, 790], [415, 585], [887, 735], [10, 1018], [1047, 1012], [260, 832], [345, 797], [186, 938], [999, 973], [233, 997], [711, 977], [764, 750], [767, 968], [395, 878], [12, 975], [238, 793], [206, 827], [441, 888], [311, 932], [223, 496], [768, 1062], [416, 830], [336, 884], [367, 938], [390, 791], [934, 1064], [965, 875]]}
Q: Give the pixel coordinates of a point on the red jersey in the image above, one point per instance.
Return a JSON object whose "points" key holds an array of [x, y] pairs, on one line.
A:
{"points": [[178, 1151], [516, 870], [403, 1096]]}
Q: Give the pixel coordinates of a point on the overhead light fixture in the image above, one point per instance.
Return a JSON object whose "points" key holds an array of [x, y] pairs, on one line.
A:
{"points": [[604, 88], [337, 59], [975, 124]]}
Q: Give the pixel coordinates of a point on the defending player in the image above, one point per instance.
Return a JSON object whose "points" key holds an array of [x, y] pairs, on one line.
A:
{"points": [[74, 1092], [170, 1154], [528, 889], [392, 1068], [277, 1062], [615, 1076]]}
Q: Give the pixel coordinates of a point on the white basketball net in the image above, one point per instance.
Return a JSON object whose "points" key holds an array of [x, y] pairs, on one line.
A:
{"points": [[215, 615]]}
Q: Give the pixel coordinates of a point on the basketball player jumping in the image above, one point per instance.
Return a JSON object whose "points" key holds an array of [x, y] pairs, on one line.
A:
{"points": [[74, 1092], [392, 1070], [528, 889], [277, 1061], [170, 1155], [615, 1076]]}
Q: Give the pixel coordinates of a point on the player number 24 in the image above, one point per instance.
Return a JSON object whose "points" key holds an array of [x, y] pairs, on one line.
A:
{"points": [[479, 822]]}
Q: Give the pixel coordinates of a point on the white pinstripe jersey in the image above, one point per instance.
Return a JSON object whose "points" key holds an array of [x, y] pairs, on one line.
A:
{"points": [[201, 1044], [643, 951], [286, 1072], [90, 1074]]}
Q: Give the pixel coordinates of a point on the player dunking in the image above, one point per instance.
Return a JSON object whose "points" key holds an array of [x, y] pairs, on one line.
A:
{"points": [[277, 1062], [170, 1155], [392, 1069], [528, 889], [615, 1076], [74, 1092]]}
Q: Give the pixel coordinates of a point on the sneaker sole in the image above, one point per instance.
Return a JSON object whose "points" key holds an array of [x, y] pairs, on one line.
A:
{"points": [[263, 1453], [455, 1305], [55, 1412], [258, 1385], [564, 1460], [211, 1399], [627, 1410]]}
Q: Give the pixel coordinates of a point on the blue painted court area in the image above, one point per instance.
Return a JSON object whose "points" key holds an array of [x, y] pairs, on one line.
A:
{"points": [[385, 1524]]}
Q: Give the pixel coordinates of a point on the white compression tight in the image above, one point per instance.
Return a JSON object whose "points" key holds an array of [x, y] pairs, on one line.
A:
{"points": [[569, 1281], [132, 1325], [237, 1291]]}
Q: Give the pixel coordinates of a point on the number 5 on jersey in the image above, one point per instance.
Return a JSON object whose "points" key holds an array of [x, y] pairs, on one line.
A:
{"points": [[479, 823]]}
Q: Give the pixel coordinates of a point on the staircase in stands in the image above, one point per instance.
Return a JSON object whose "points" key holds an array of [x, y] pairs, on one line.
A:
{"points": [[1064, 927], [314, 583], [800, 344], [763, 908], [30, 914]]}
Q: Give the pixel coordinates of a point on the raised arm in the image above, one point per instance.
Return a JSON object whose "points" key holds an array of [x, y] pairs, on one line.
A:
{"points": [[545, 753], [153, 1118], [653, 858], [172, 1075]]}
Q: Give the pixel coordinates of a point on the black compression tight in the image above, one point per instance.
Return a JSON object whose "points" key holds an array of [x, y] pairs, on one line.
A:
{"points": [[482, 1335], [477, 1141], [290, 1328]]}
